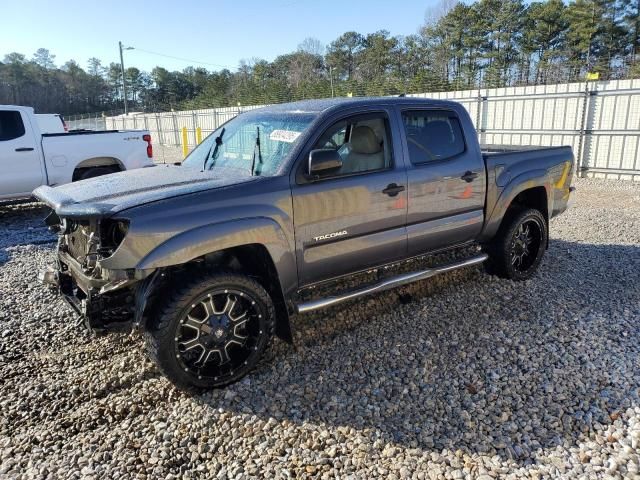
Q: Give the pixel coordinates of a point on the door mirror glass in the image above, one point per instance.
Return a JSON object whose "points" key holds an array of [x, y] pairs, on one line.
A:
{"points": [[325, 161]]}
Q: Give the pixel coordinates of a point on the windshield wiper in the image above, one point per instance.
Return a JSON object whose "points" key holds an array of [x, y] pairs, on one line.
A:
{"points": [[214, 154], [253, 162]]}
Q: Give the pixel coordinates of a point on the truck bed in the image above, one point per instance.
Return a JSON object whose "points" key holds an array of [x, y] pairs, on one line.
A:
{"points": [[65, 152], [86, 132], [516, 157], [490, 149], [505, 163]]}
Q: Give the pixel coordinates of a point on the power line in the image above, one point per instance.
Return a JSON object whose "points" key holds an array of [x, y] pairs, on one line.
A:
{"points": [[181, 58]]}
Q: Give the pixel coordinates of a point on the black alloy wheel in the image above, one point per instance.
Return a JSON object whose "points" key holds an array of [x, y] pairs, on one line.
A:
{"points": [[212, 332], [525, 245], [218, 334], [519, 245]]}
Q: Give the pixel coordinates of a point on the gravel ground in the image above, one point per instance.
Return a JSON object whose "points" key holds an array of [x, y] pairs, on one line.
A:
{"points": [[475, 377]]}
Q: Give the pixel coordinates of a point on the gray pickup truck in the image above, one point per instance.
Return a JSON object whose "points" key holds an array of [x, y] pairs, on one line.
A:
{"points": [[212, 257]]}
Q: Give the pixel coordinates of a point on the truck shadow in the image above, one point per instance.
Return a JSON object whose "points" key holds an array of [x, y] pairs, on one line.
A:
{"points": [[473, 362], [22, 224]]}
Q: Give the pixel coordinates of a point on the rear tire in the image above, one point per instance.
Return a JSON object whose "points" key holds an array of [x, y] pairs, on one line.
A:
{"points": [[96, 172], [518, 247], [212, 331]]}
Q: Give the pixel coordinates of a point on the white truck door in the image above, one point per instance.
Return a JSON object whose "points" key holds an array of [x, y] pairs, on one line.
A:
{"points": [[20, 163]]}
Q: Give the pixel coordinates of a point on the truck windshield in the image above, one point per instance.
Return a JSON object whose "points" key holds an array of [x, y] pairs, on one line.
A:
{"points": [[257, 143]]}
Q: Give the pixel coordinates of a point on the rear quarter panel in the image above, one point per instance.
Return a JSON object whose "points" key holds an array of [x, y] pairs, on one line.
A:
{"points": [[513, 172]]}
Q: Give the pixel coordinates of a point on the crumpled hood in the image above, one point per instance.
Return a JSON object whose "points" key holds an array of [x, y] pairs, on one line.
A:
{"points": [[116, 192]]}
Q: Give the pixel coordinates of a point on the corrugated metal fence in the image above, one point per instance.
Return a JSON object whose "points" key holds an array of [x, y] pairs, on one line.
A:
{"points": [[600, 120]]}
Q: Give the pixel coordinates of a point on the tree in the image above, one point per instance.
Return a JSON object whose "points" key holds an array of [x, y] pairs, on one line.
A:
{"points": [[595, 35], [44, 58], [312, 46], [611, 39], [505, 27], [135, 83], [15, 58], [97, 88], [632, 22], [95, 68], [342, 54], [114, 81], [460, 45], [375, 58], [15, 77], [433, 14], [543, 39]]}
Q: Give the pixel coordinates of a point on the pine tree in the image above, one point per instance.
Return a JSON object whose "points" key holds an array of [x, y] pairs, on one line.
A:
{"points": [[543, 41]]}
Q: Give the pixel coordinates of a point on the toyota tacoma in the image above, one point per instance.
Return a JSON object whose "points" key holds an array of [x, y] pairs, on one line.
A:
{"points": [[211, 258]]}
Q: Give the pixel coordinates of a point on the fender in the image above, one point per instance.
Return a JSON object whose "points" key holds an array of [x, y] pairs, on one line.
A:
{"points": [[517, 185], [210, 238]]}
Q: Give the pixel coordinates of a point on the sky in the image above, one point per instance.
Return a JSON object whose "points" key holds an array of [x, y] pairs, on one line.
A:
{"points": [[216, 33]]}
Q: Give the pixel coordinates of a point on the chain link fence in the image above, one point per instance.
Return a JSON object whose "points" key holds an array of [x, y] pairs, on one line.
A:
{"points": [[599, 119], [95, 121]]}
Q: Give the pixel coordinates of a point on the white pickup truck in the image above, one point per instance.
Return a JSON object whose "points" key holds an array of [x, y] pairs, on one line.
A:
{"points": [[29, 158]]}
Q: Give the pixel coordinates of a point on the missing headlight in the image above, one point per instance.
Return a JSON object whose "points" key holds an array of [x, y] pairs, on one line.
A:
{"points": [[56, 224], [113, 233]]}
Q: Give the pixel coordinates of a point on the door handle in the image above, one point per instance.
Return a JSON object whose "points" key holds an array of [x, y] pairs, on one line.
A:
{"points": [[393, 189], [469, 176], [24, 149]]}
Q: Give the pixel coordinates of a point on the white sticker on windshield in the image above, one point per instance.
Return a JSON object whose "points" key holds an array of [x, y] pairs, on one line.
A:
{"points": [[288, 136]]}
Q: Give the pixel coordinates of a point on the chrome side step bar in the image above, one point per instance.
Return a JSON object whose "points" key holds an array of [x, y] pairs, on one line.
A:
{"points": [[389, 283]]}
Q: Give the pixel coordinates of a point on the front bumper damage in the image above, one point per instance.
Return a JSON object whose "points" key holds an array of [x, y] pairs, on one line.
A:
{"points": [[107, 298], [113, 302]]}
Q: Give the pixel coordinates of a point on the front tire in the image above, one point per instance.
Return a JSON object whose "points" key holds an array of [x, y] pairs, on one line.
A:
{"points": [[212, 331], [517, 250]]}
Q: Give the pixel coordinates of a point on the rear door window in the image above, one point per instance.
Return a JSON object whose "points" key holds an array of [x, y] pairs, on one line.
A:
{"points": [[432, 135], [11, 125]]}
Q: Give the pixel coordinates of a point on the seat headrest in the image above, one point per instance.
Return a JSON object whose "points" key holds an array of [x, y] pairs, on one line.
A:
{"points": [[364, 140]]}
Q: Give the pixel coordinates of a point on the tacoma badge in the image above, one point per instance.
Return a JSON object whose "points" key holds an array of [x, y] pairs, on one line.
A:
{"points": [[330, 235]]}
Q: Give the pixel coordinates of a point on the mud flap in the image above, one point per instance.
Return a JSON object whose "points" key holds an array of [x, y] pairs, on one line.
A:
{"points": [[144, 291]]}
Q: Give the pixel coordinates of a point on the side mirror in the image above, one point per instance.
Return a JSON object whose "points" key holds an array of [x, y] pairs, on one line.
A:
{"points": [[324, 162]]}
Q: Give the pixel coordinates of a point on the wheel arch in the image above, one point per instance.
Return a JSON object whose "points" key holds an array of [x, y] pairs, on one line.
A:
{"points": [[530, 189], [256, 247], [88, 163], [255, 260], [535, 197]]}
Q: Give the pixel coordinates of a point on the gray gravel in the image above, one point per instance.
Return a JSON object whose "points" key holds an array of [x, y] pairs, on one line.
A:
{"points": [[476, 377]]}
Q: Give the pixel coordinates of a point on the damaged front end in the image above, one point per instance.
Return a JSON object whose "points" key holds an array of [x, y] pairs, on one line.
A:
{"points": [[107, 299]]}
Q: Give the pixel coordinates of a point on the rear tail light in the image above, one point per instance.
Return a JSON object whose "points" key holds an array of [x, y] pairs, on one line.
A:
{"points": [[147, 138], [64, 124]]}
